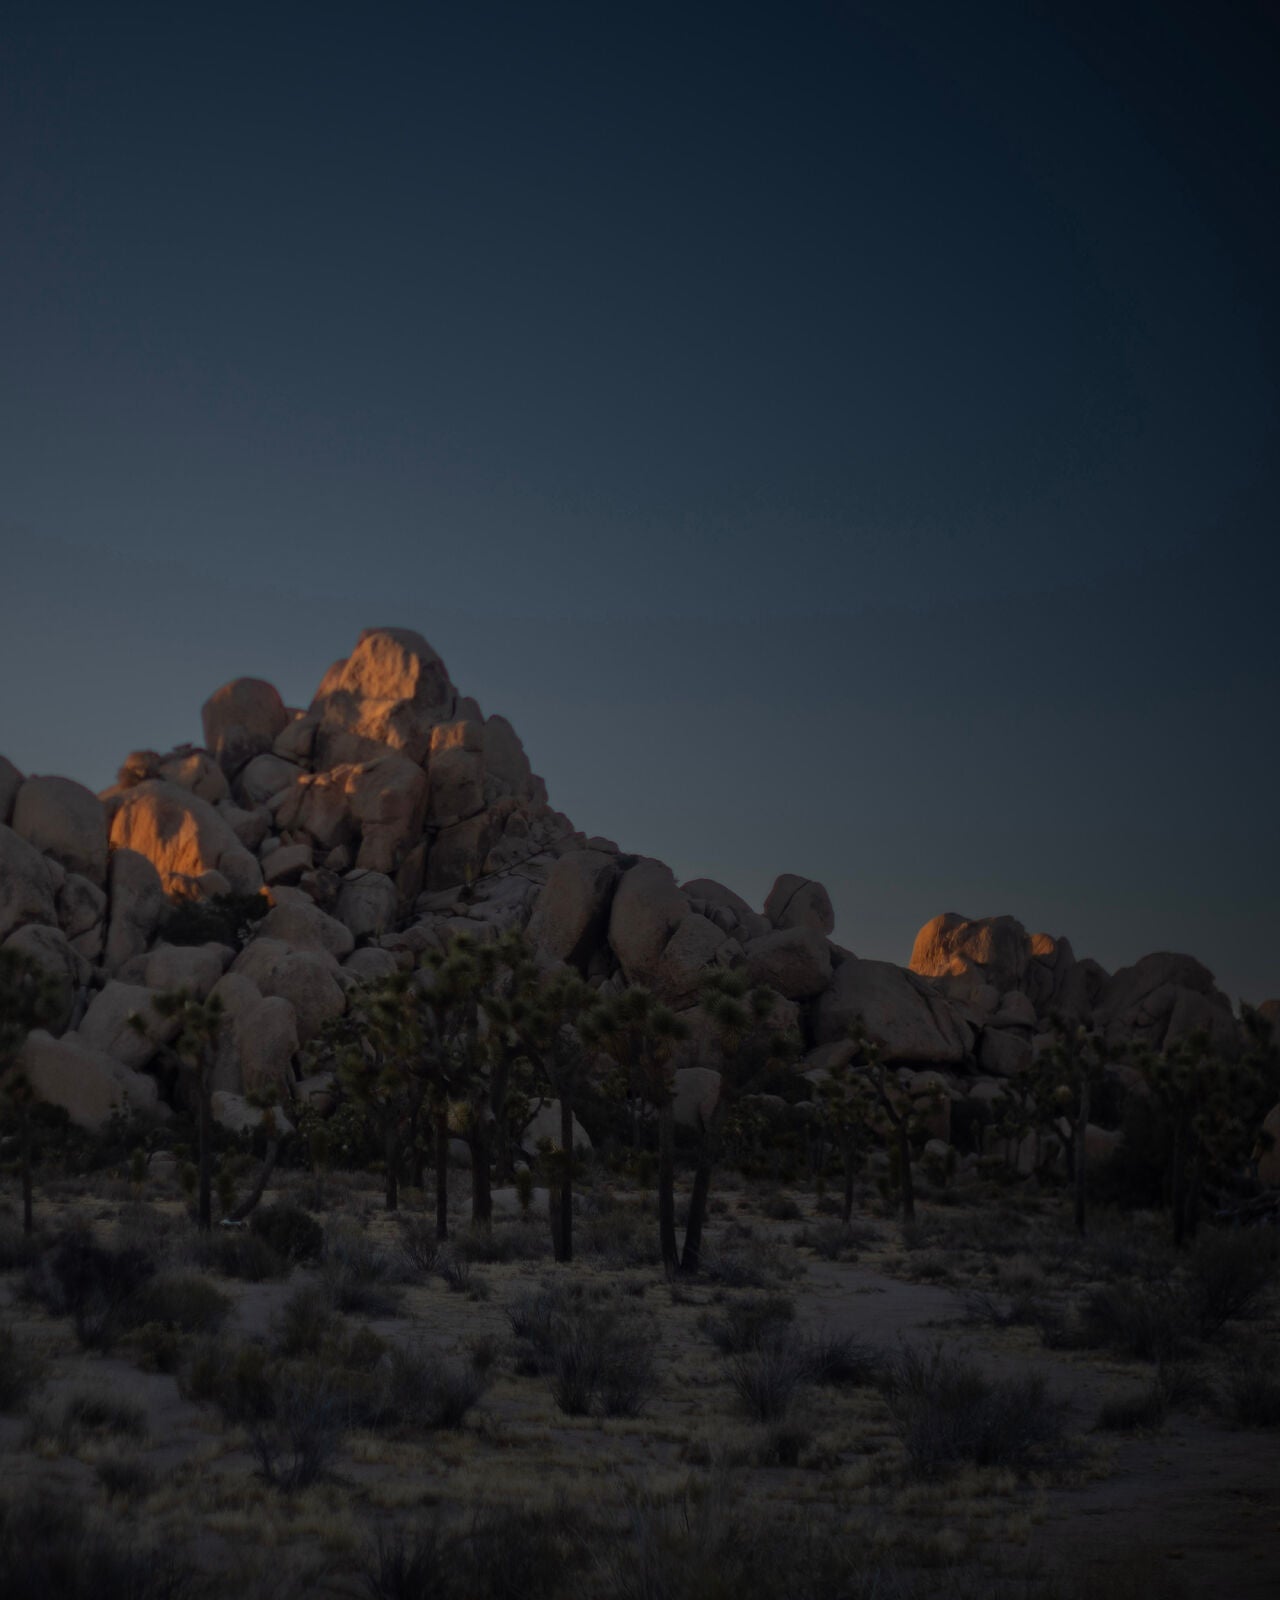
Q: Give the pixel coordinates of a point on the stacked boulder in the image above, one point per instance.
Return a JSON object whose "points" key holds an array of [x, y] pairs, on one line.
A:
{"points": [[391, 814]]}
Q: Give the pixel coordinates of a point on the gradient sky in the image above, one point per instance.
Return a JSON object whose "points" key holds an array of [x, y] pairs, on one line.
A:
{"points": [[842, 438]]}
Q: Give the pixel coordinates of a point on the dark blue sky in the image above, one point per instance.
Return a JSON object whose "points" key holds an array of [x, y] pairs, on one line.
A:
{"points": [[841, 437]]}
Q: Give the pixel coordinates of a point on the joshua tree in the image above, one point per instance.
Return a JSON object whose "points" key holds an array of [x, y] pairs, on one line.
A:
{"points": [[843, 1105], [1066, 1076], [640, 1035], [372, 1047], [546, 1016], [196, 1046], [29, 999], [749, 1048], [888, 1110]]}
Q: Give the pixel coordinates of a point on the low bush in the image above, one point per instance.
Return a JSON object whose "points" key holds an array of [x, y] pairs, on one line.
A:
{"points": [[745, 1323], [767, 1377], [21, 1370], [833, 1241], [86, 1415], [1252, 1389], [1146, 1321], [594, 1356], [419, 1246], [423, 1391], [357, 1275], [1229, 1274], [125, 1477], [782, 1208], [1138, 1413], [306, 1320], [841, 1360], [183, 1304], [239, 1253], [949, 1414], [295, 1444], [92, 1284], [48, 1547], [290, 1231]]}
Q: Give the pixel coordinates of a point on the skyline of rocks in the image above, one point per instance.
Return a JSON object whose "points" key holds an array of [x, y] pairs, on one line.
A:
{"points": [[391, 813]]}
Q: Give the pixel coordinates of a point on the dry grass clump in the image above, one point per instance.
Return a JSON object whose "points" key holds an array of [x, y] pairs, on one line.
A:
{"points": [[357, 1275], [950, 1414], [50, 1547], [21, 1370], [596, 1355], [501, 1554], [85, 1416]]}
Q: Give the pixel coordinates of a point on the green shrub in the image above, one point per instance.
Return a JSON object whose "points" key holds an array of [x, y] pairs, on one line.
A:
{"points": [[238, 1253], [422, 1391], [1229, 1274], [296, 1443], [80, 1278], [183, 1304], [48, 1548], [21, 1370], [949, 1413], [748, 1321], [291, 1232]]}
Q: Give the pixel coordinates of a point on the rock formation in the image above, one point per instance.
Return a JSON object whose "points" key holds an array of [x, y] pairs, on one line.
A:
{"points": [[391, 814]]}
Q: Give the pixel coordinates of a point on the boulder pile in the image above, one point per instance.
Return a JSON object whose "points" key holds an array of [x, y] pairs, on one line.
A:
{"points": [[391, 814]]}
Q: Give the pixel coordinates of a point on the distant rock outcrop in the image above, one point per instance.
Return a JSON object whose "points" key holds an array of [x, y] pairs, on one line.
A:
{"points": [[390, 814]]}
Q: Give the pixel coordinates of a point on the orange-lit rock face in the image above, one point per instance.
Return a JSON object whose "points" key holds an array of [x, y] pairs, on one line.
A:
{"points": [[392, 690], [183, 837], [953, 946]]}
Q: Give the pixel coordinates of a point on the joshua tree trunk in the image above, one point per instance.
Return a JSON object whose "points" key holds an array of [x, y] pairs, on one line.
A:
{"points": [[481, 1196], [24, 1134], [205, 1146], [564, 1245], [442, 1173], [1178, 1187], [1081, 1175], [246, 1206], [391, 1151], [905, 1174], [667, 1186], [708, 1150]]}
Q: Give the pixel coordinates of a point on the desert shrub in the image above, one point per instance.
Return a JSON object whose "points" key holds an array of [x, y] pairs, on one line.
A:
{"points": [[510, 1241], [183, 1304], [1022, 1309], [20, 1370], [80, 1278], [766, 1377], [455, 1272], [125, 1477], [84, 1415], [18, 1250], [236, 1377], [296, 1443], [48, 1547], [833, 1241], [782, 1443], [222, 919], [741, 1261], [782, 1208], [421, 1567], [520, 1554], [1228, 1275], [748, 1321], [1252, 1389], [1147, 1322], [592, 1354], [949, 1413], [238, 1253], [617, 1235], [290, 1231], [419, 1246], [841, 1360], [1144, 1412], [357, 1275], [306, 1320], [424, 1391]]}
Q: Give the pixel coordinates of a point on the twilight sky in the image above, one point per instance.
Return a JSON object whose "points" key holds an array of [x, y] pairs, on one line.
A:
{"points": [[841, 437]]}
